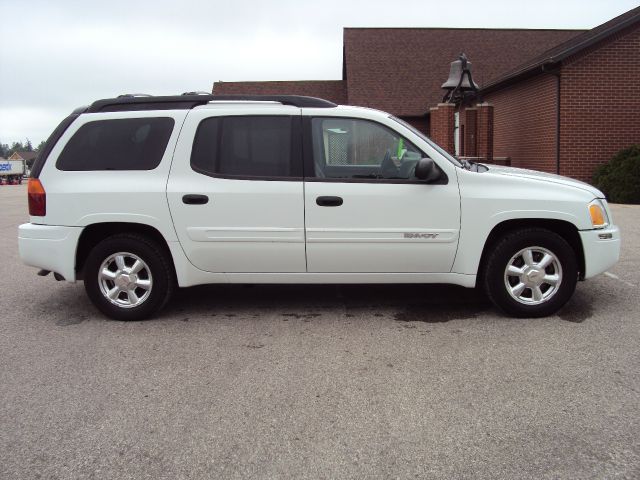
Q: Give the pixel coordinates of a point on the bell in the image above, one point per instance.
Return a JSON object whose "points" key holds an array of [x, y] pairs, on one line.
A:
{"points": [[460, 68]]}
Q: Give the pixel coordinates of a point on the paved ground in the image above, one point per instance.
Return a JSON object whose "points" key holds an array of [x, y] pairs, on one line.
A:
{"points": [[318, 381]]}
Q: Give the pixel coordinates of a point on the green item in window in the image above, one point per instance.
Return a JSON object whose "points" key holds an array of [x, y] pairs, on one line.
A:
{"points": [[400, 148]]}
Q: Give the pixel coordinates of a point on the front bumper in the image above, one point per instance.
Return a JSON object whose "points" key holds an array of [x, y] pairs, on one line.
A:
{"points": [[49, 247], [601, 249]]}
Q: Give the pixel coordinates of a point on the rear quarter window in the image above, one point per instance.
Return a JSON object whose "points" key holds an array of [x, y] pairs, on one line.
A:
{"points": [[119, 144]]}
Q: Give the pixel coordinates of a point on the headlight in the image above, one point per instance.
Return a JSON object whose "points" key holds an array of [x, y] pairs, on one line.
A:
{"points": [[598, 214]]}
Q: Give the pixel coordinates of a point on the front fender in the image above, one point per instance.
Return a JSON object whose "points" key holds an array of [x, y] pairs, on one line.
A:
{"points": [[490, 200], [474, 239]]}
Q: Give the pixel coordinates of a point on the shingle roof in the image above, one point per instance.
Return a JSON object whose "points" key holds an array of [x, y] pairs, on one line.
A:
{"points": [[572, 46], [401, 70], [332, 90]]}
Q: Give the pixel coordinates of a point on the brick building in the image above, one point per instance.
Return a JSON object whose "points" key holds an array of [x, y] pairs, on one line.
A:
{"points": [[554, 100], [576, 105]]}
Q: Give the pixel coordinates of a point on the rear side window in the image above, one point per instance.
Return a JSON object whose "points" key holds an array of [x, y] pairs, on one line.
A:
{"points": [[122, 144], [245, 146]]}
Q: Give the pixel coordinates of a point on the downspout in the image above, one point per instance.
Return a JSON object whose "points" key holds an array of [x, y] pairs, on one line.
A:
{"points": [[557, 74], [554, 69]]}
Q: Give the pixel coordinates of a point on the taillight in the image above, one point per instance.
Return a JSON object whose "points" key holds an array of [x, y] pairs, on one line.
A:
{"points": [[37, 198]]}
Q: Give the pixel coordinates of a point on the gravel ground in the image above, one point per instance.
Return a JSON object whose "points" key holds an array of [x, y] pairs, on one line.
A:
{"points": [[299, 382]]}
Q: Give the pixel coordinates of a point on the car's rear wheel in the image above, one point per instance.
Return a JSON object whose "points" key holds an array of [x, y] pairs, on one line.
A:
{"points": [[128, 277], [531, 273]]}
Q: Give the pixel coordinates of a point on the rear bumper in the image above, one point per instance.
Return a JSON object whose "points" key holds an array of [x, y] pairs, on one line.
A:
{"points": [[49, 247], [601, 249]]}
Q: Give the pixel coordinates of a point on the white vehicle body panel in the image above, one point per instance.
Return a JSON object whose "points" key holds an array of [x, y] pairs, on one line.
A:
{"points": [[601, 248], [492, 197], [49, 247], [247, 225], [382, 227], [357, 278]]}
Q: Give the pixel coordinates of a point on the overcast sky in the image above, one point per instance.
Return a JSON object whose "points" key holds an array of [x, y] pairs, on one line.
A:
{"points": [[59, 54]]}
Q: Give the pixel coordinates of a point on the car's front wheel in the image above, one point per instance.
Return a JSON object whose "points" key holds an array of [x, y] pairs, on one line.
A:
{"points": [[531, 273], [128, 277]]}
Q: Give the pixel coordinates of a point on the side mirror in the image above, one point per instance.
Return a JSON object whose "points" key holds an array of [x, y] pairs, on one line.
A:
{"points": [[426, 169]]}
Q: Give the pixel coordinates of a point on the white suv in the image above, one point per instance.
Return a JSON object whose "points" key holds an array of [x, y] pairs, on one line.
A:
{"points": [[137, 195]]}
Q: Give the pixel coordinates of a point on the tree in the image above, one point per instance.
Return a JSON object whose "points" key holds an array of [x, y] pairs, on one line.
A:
{"points": [[15, 147], [40, 146], [619, 179], [6, 151]]}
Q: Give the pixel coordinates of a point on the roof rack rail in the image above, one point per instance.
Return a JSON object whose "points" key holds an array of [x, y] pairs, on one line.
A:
{"points": [[129, 95], [190, 100], [197, 92]]}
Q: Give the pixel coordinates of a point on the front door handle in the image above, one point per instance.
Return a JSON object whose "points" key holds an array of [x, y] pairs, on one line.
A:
{"points": [[329, 201], [193, 199]]}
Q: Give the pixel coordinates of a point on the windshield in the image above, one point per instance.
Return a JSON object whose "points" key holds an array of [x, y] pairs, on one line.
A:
{"points": [[437, 147]]}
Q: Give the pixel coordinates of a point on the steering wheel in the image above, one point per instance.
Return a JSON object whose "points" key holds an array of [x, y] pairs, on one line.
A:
{"points": [[388, 169]]}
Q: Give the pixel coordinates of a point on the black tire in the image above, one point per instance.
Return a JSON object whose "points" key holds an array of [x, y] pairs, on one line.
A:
{"points": [[501, 254], [158, 267]]}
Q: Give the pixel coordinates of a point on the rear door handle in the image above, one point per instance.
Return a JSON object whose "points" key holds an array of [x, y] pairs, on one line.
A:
{"points": [[193, 199], [329, 201]]}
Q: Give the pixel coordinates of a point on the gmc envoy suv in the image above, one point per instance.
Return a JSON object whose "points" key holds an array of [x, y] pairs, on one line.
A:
{"points": [[139, 195]]}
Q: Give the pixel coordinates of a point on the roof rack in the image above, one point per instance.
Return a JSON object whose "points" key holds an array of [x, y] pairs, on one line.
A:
{"points": [[129, 95], [192, 99]]}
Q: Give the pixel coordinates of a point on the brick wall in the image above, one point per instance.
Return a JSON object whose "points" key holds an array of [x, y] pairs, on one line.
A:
{"points": [[600, 104], [441, 124], [484, 131], [421, 123], [333, 90], [524, 123]]}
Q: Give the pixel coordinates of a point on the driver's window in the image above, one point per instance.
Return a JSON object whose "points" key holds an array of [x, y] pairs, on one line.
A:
{"points": [[350, 148]]}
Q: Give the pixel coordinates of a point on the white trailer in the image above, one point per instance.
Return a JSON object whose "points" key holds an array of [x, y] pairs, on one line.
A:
{"points": [[11, 172]]}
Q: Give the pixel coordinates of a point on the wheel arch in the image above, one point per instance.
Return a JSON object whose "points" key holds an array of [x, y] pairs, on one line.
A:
{"points": [[565, 229], [92, 234]]}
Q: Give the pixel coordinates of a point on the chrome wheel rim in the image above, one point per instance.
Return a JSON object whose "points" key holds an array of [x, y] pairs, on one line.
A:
{"points": [[533, 275], [125, 280]]}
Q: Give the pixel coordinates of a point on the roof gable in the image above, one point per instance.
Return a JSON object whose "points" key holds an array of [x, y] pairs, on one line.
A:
{"points": [[571, 47], [23, 155]]}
